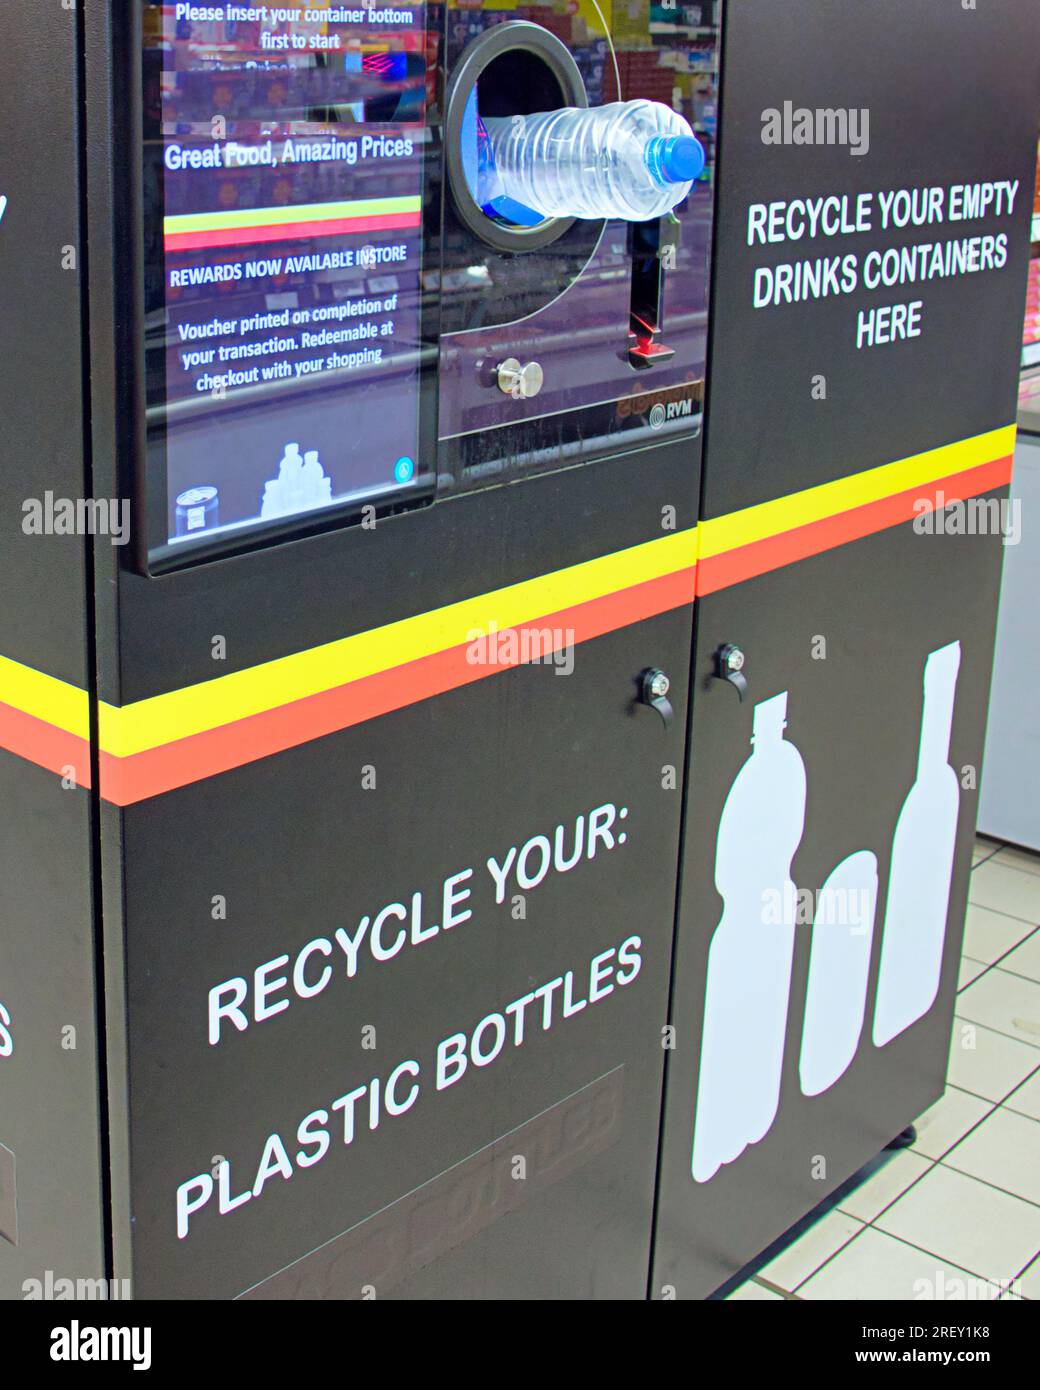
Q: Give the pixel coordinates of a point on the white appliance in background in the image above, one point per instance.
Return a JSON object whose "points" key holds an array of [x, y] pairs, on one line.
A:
{"points": [[1009, 801]]}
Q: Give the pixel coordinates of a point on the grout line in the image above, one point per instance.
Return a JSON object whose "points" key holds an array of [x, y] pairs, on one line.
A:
{"points": [[985, 967], [1007, 864], [1003, 844], [944, 1259], [988, 965], [985, 1181], [1022, 1271], [993, 1105], [1006, 1105], [932, 1162], [786, 1294], [835, 1253], [1015, 1037], [1028, 978], [950, 1264], [989, 1099], [984, 971], [1011, 916], [1025, 940]]}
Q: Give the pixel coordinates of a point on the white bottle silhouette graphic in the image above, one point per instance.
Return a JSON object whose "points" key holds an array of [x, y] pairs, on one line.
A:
{"points": [[922, 863], [317, 486], [301, 484], [839, 969], [278, 493], [749, 962]]}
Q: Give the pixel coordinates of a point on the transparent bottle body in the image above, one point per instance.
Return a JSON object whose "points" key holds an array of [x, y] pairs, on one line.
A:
{"points": [[587, 163]]}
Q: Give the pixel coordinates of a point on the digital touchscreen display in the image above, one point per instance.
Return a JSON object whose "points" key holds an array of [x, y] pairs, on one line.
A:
{"points": [[283, 207]]}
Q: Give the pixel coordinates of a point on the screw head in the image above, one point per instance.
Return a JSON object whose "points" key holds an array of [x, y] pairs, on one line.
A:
{"points": [[508, 376], [520, 382], [659, 685], [735, 659], [531, 379]]}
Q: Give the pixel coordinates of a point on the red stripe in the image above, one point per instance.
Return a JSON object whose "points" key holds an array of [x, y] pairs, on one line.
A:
{"points": [[150, 773], [44, 744], [290, 231], [128, 780], [734, 566]]}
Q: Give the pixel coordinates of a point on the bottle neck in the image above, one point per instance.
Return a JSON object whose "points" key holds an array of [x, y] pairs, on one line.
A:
{"points": [[936, 725], [769, 723]]}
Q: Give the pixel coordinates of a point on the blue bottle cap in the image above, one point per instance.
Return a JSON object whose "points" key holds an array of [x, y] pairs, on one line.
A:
{"points": [[682, 159]]}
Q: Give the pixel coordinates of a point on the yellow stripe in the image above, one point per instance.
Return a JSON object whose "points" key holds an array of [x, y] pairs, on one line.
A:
{"points": [[163, 718], [271, 217], [45, 697], [211, 704], [829, 499]]}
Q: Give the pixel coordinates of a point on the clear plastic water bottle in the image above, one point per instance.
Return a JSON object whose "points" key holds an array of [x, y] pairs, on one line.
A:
{"points": [[631, 159]]}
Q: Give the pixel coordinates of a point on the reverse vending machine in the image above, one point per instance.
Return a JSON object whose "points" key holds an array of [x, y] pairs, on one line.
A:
{"points": [[488, 775], [346, 750]]}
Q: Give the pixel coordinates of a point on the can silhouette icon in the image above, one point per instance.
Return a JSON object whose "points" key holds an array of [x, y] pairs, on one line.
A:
{"points": [[198, 509]]}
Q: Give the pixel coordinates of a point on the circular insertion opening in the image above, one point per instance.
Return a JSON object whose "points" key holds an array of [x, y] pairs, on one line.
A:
{"points": [[514, 69], [518, 83]]}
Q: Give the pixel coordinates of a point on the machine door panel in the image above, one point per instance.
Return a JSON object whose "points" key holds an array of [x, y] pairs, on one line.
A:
{"points": [[530, 1174], [339, 700], [824, 878]]}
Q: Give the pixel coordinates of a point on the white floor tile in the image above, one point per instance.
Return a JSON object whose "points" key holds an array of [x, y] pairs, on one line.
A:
{"points": [[885, 1186], [1025, 859], [1006, 890], [986, 1232], [1025, 959], [875, 1265], [983, 849], [989, 935], [987, 1063], [969, 970], [948, 1121], [1008, 1003], [753, 1293], [811, 1250], [1005, 1151], [1029, 1283], [1026, 1100]]}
